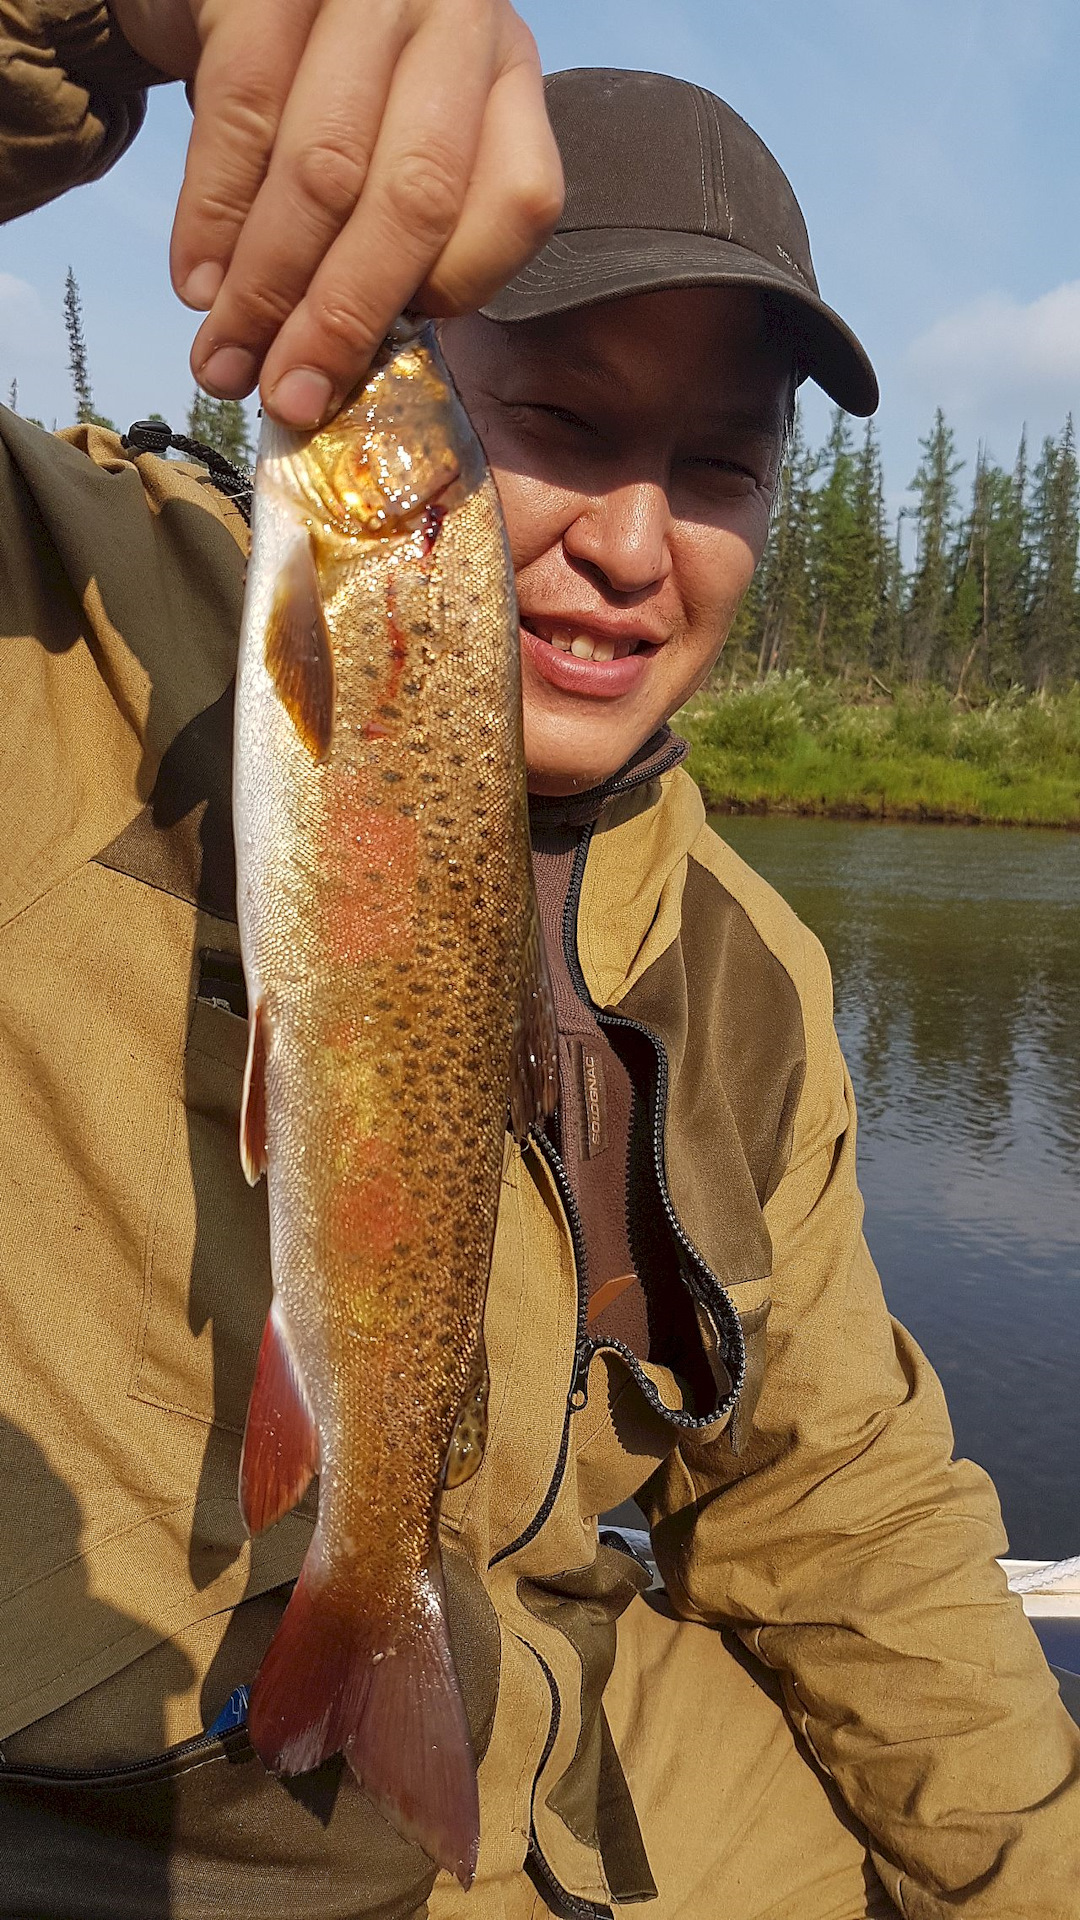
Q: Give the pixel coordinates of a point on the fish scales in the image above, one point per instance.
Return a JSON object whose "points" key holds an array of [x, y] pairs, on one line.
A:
{"points": [[389, 935]]}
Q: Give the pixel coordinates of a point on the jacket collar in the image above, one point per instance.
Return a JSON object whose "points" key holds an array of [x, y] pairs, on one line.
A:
{"points": [[660, 753]]}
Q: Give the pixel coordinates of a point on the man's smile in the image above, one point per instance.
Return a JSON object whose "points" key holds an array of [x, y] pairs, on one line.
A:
{"points": [[598, 660]]}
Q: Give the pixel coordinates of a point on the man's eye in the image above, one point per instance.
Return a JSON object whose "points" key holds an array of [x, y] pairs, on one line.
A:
{"points": [[714, 464], [535, 413]]}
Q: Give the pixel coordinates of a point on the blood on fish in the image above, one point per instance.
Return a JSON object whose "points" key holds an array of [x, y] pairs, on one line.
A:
{"points": [[431, 527]]}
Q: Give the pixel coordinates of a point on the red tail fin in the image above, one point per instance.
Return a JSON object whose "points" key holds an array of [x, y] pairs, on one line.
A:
{"points": [[326, 1685]]}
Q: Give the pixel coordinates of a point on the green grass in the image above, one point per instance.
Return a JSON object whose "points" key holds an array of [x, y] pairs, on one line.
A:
{"points": [[793, 745]]}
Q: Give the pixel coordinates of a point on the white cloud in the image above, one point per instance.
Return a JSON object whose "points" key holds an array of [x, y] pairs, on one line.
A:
{"points": [[998, 352]]}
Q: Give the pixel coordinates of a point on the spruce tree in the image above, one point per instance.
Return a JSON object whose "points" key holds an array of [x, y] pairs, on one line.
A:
{"points": [[1053, 650], [783, 603], [78, 360], [927, 626], [833, 550], [868, 558]]}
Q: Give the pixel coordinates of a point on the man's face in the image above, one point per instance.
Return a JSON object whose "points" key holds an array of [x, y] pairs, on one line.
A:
{"points": [[636, 447]]}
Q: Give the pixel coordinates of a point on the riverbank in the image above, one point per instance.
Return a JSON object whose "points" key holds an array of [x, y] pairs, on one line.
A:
{"points": [[792, 745]]}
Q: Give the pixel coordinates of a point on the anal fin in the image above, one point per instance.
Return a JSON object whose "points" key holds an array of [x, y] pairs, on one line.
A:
{"points": [[281, 1441], [469, 1438], [534, 1064]]}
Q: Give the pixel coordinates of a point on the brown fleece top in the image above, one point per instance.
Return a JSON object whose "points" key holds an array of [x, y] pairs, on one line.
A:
{"points": [[591, 1128]]}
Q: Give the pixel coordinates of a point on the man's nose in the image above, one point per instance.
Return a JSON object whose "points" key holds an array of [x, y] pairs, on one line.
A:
{"points": [[623, 535]]}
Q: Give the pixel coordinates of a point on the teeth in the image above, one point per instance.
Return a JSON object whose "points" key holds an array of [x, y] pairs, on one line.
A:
{"points": [[584, 647]]}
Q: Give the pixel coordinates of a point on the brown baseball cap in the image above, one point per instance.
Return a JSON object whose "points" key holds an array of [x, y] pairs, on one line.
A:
{"points": [[666, 186]]}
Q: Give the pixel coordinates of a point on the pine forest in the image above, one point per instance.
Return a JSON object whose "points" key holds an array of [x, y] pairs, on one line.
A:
{"points": [[975, 592]]}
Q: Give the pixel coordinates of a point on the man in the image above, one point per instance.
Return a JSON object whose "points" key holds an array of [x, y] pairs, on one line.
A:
{"points": [[836, 1709]]}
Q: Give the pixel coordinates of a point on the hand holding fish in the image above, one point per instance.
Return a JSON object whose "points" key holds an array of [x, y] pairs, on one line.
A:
{"points": [[345, 161]]}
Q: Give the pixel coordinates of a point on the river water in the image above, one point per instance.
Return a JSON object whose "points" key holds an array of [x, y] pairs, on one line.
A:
{"points": [[956, 960]]}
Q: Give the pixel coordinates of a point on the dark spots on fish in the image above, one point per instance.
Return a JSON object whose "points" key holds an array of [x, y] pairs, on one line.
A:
{"points": [[401, 1024], [391, 776], [383, 1006], [456, 759], [412, 688], [375, 876], [425, 953], [422, 885], [403, 966], [401, 1249], [480, 857], [389, 712], [429, 779], [418, 1042], [369, 672], [457, 886], [443, 820]]}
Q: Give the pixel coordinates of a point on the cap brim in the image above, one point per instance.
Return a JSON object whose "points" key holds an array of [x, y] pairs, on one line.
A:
{"points": [[585, 268]]}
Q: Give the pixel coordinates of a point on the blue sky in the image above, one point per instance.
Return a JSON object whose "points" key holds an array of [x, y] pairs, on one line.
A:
{"points": [[933, 145]]}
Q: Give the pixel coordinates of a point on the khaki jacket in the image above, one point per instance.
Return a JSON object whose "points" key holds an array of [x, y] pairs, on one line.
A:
{"points": [[797, 1472]]}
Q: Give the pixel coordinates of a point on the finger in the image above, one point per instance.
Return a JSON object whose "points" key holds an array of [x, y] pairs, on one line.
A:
{"points": [[251, 52], [317, 171], [413, 194], [513, 201]]}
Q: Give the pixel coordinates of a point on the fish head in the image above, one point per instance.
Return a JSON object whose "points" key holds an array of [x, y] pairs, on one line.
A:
{"points": [[395, 460]]}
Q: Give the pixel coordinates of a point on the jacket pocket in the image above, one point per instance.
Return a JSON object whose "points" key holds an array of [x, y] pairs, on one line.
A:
{"points": [[206, 1282], [203, 1833]]}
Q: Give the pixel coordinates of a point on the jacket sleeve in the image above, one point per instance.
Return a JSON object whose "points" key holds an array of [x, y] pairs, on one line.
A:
{"points": [[121, 581], [858, 1560], [72, 98]]}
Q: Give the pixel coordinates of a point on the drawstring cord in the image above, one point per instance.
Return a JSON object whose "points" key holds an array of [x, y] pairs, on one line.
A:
{"points": [[155, 436]]}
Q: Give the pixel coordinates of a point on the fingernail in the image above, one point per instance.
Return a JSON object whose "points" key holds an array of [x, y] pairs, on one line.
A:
{"points": [[229, 373], [202, 286], [301, 398]]}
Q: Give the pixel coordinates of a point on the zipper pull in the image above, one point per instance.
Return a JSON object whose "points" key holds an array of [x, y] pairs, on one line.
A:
{"points": [[579, 1379]]}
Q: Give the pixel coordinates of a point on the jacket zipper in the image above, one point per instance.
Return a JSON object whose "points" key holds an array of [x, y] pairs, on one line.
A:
{"points": [[698, 1275], [184, 1751], [584, 1347], [569, 1906]]}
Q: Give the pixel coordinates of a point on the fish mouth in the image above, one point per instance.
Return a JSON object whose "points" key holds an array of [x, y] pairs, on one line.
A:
{"points": [[585, 641]]}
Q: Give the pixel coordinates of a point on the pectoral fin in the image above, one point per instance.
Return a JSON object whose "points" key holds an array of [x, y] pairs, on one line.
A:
{"points": [[466, 1448], [534, 1064], [298, 653]]}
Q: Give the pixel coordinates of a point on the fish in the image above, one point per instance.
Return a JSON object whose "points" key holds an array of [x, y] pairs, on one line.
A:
{"points": [[399, 1012]]}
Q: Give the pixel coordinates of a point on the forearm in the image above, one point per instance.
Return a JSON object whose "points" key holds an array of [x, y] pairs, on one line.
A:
{"points": [[72, 98]]}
